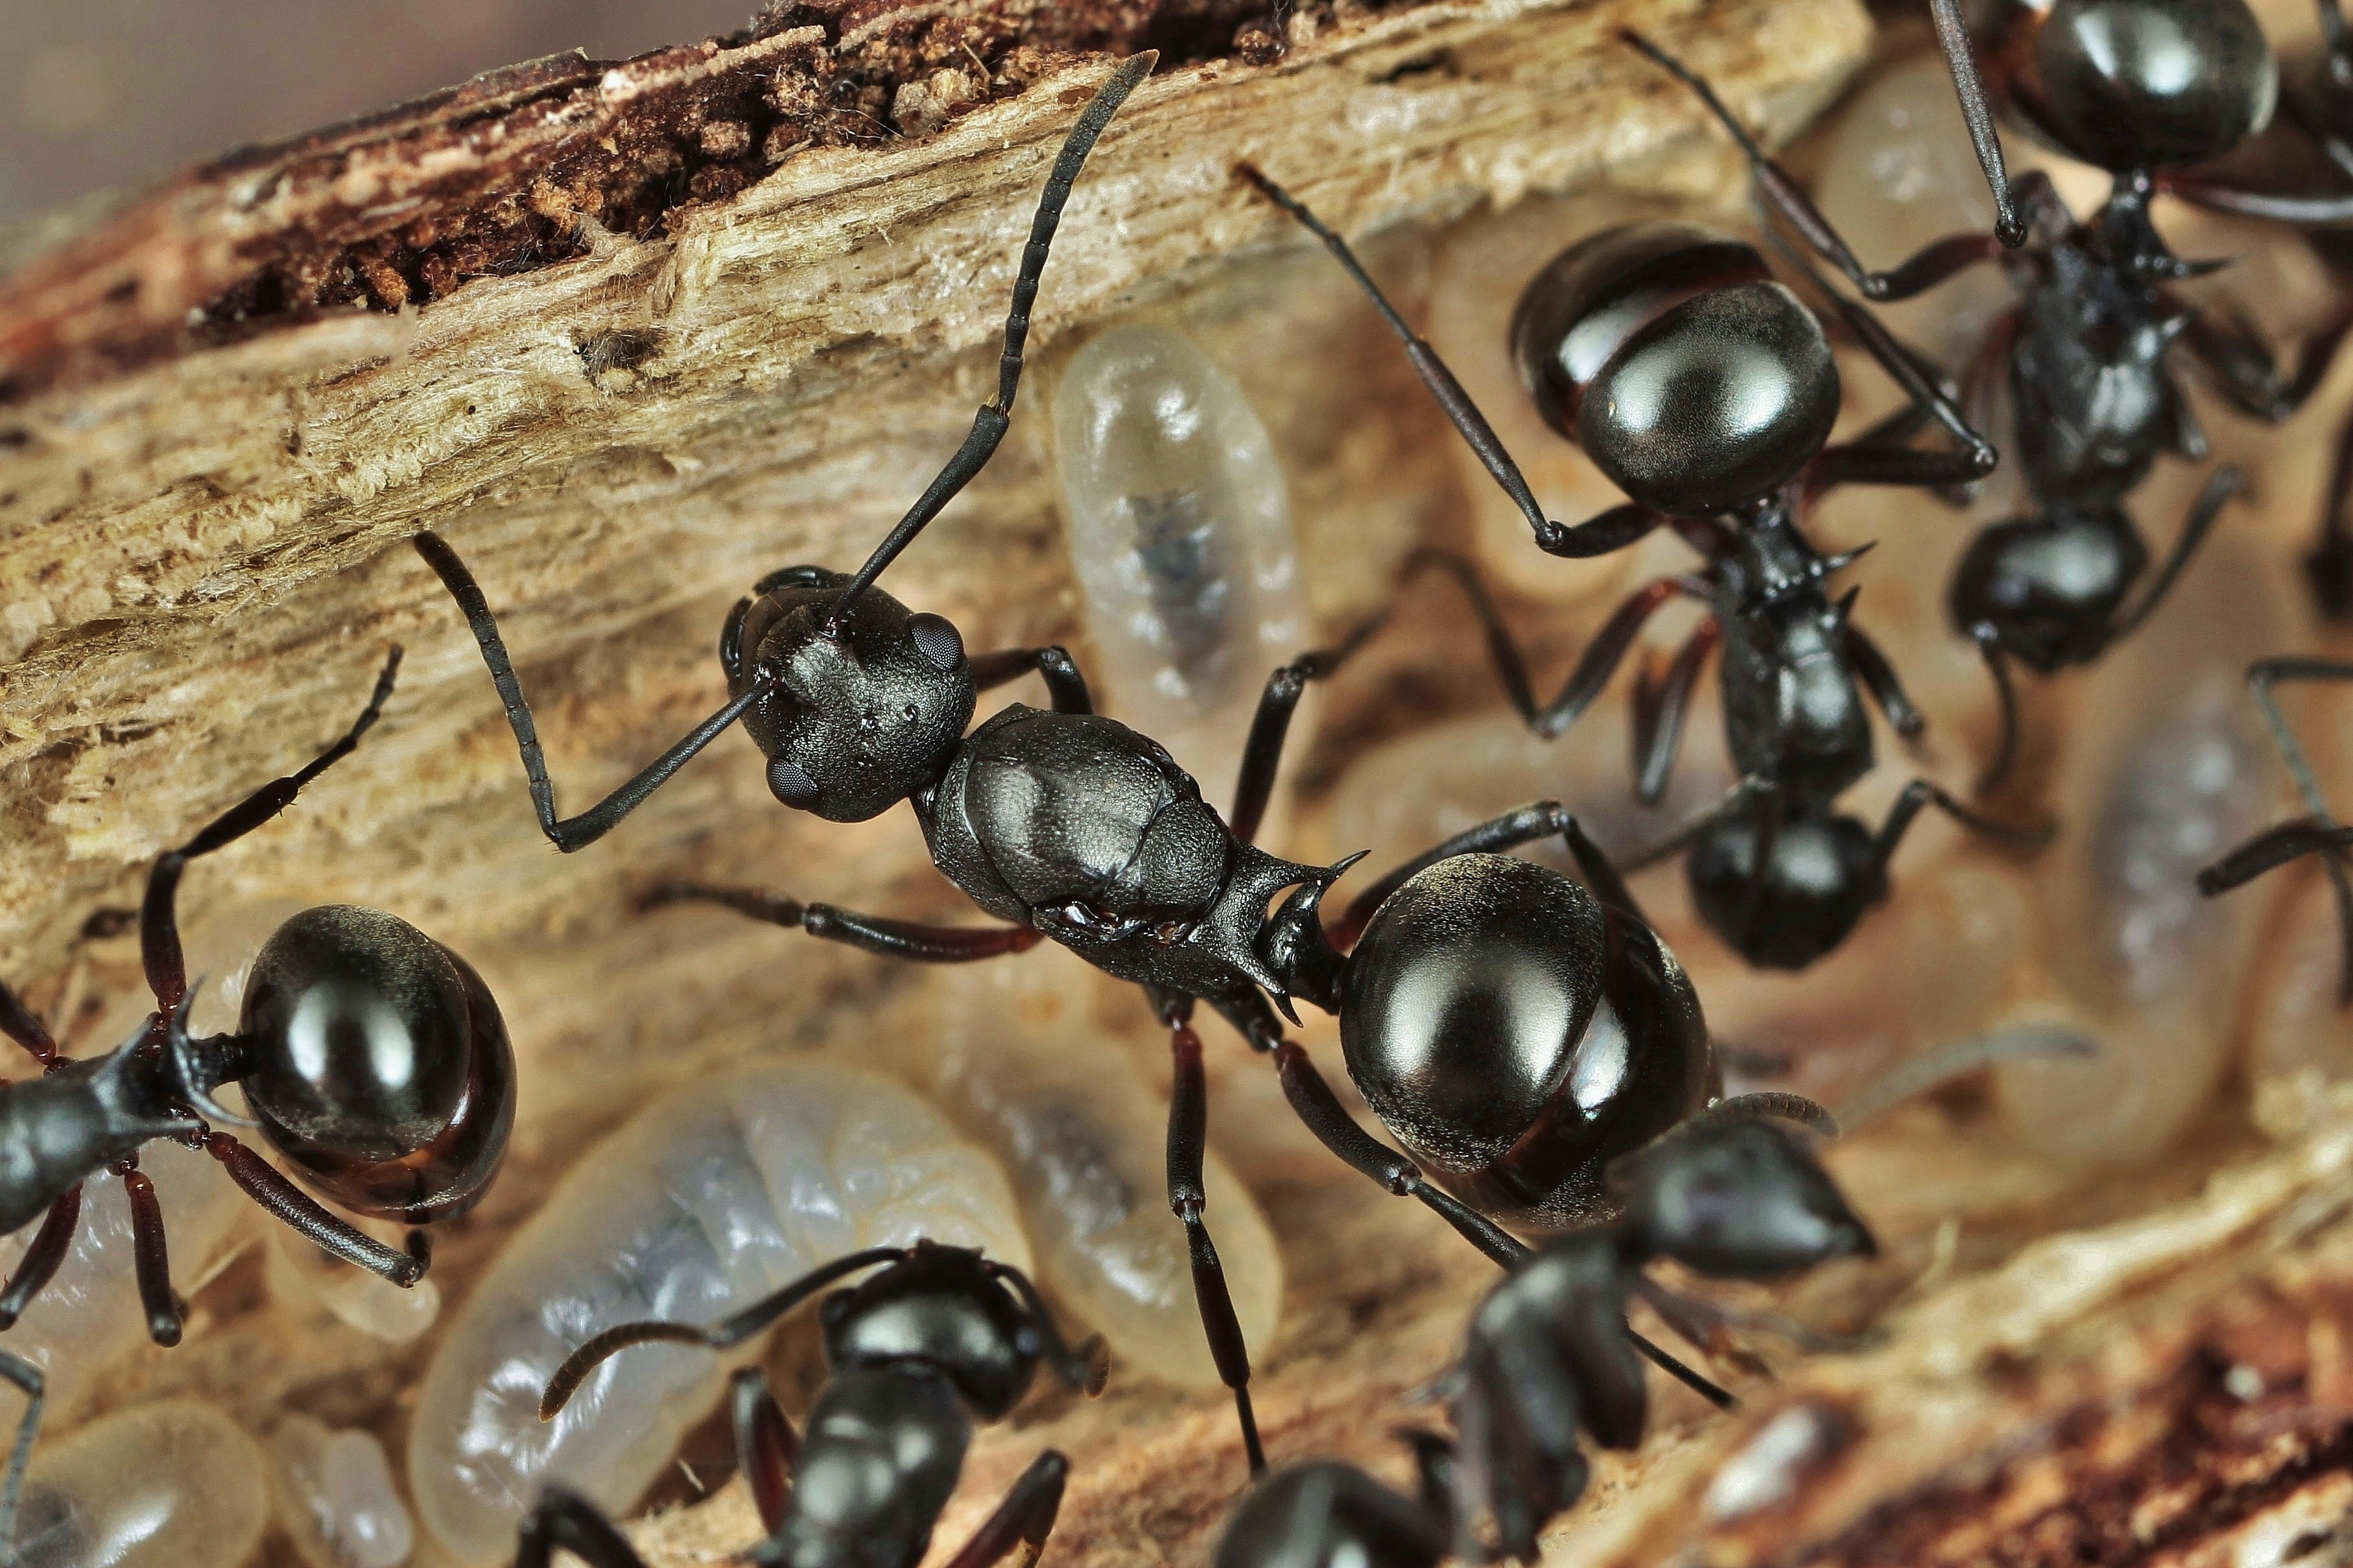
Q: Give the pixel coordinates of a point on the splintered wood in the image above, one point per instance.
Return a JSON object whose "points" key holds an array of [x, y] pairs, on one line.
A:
{"points": [[633, 335]]}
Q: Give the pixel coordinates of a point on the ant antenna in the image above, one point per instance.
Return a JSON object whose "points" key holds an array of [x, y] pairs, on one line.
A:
{"points": [[988, 425]]}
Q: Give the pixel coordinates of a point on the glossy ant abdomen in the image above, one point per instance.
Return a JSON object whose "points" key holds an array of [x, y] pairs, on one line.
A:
{"points": [[937, 1341], [372, 1058], [1473, 1021]]}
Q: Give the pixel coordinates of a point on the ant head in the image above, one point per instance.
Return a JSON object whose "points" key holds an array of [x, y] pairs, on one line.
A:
{"points": [[380, 1065], [1823, 876], [1326, 1511], [943, 1306], [1551, 1338], [1669, 354], [1739, 1197], [865, 707], [2142, 84]]}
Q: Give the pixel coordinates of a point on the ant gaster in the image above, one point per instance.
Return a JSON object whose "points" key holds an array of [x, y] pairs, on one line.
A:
{"points": [[1707, 391], [373, 1057], [938, 1340], [2141, 88], [1069, 826], [1729, 1197]]}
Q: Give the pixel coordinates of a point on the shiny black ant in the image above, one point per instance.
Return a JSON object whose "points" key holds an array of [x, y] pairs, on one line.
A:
{"points": [[373, 1057], [1727, 1196], [2142, 89], [1707, 391], [940, 1339], [2321, 107], [1067, 825]]}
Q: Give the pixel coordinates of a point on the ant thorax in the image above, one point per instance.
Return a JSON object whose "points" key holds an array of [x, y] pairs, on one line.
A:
{"points": [[1078, 827]]}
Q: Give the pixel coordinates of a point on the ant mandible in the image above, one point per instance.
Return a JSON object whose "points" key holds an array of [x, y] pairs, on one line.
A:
{"points": [[2141, 88], [1632, 340], [940, 1339], [373, 1057], [1727, 1196], [1067, 825]]}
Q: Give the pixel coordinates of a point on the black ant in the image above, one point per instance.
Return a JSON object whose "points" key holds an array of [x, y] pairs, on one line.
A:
{"points": [[373, 1060], [2324, 112], [1067, 825], [1727, 1196], [2142, 89], [1707, 391], [940, 1339]]}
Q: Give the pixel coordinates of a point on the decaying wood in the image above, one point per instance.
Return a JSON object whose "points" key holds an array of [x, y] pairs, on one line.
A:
{"points": [[631, 344]]}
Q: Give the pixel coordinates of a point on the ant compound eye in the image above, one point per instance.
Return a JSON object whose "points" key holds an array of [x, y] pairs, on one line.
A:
{"points": [[789, 785], [938, 640]]}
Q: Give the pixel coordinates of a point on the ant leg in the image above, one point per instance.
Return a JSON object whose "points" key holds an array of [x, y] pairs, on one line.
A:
{"points": [[566, 1521], [39, 1264], [1958, 1059], [765, 1444], [1919, 794], [1086, 1367], [1879, 677], [2244, 372], [1935, 262], [1066, 689], [2185, 435], [27, 1376], [2263, 675], [988, 425], [910, 940], [2005, 689], [2318, 208], [1615, 528], [2261, 678], [1325, 1117], [1599, 661], [290, 1206], [1706, 1325], [1493, 836], [1735, 799], [17, 1022], [158, 928], [568, 832], [2330, 567], [1659, 710], [725, 1334], [2224, 483], [1188, 1129], [1869, 462], [1024, 1519], [150, 1259], [1271, 725]]}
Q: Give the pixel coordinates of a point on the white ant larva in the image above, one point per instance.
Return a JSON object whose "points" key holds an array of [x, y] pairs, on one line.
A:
{"points": [[722, 1191]]}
